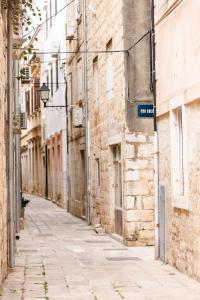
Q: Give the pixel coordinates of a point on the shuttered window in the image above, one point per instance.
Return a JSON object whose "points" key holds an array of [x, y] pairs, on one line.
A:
{"points": [[27, 99], [37, 93]]}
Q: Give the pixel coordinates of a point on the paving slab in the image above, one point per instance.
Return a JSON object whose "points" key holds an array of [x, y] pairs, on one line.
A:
{"points": [[60, 257]]}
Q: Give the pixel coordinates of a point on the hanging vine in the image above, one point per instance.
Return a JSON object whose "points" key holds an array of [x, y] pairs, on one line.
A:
{"points": [[22, 12]]}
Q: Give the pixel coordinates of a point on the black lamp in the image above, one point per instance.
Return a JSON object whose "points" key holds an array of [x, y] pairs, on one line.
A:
{"points": [[44, 93]]}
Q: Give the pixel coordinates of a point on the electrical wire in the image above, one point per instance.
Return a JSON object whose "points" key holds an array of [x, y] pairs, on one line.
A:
{"points": [[96, 51], [51, 17], [82, 52], [169, 11], [139, 40]]}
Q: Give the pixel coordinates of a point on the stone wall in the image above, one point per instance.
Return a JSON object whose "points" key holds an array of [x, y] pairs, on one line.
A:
{"points": [[111, 126], [178, 87], [138, 189], [76, 135], [3, 183], [121, 176], [107, 115]]}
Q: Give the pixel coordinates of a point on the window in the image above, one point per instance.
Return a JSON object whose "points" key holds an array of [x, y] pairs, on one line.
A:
{"points": [[69, 90], [116, 150], [53, 161], [96, 80], [179, 175], [49, 163], [59, 165], [27, 100], [32, 100], [109, 75], [37, 93], [178, 153], [79, 80], [51, 80], [48, 79], [57, 75]]}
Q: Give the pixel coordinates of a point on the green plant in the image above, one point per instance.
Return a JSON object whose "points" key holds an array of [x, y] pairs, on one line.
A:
{"points": [[22, 12]]}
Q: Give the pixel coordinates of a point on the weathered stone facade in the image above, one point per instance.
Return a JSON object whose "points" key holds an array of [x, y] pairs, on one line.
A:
{"points": [[120, 154], [3, 182], [114, 123], [33, 174], [178, 94], [44, 150], [76, 133]]}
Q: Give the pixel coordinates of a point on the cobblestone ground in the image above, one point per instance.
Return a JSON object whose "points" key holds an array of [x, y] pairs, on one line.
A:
{"points": [[60, 257]]}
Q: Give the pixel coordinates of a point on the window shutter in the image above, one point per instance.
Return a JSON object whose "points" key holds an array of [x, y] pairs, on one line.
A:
{"points": [[37, 93]]}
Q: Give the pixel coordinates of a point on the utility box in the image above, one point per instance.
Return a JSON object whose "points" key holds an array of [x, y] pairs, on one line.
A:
{"points": [[77, 116]]}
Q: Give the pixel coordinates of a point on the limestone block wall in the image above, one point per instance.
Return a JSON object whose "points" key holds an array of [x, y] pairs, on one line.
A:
{"points": [[106, 115], [109, 129], [76, 136], [76, 139], [182, 225], [114, 150], [138, 189], [3, 183]]}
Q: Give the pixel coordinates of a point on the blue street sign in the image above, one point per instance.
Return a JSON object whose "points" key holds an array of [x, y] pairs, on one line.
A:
{"points": [[145, 110]]}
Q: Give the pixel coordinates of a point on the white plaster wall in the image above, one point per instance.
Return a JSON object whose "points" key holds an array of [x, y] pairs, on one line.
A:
{"points": [[178, 53], [178, 84], [55, 118]]}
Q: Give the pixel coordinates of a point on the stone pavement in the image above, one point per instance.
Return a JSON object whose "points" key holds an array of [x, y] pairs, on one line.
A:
{"points": [[59, 257]]}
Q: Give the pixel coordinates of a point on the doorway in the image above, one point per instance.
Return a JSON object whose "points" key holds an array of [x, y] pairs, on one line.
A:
{"points": [[117, 186], [83, 185]]}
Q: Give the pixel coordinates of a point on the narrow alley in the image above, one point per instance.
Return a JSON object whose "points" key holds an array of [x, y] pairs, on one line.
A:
{"points": [[60, 257]]}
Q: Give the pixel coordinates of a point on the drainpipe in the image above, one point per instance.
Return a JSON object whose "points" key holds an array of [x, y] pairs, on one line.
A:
{"points": [[87, 124], [46, 172], [155, 141], [67, 143], [17, 155], [10, 161]]}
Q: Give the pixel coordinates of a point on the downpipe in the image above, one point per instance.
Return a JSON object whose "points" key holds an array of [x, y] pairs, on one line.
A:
{"points": [[156, 195], [87, 124], [155, 139], [10, 148]]}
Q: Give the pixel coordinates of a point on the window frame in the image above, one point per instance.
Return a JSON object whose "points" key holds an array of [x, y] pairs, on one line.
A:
{"points": [[96, 85], [79, 79], [179, 170], [109, 70]]}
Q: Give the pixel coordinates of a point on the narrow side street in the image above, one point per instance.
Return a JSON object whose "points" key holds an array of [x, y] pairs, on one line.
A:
{"points": [[60, 257]]}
